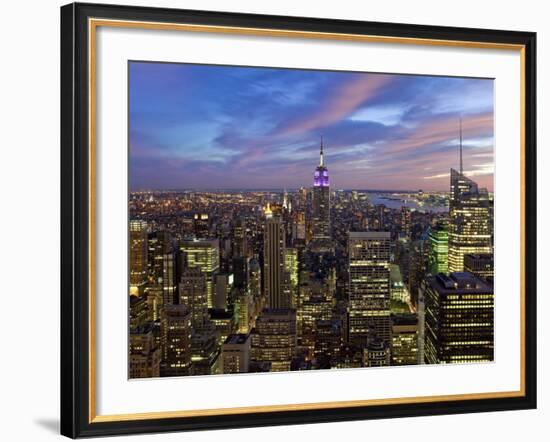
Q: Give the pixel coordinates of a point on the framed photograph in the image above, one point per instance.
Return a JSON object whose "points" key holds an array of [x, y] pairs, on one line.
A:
{"points": [[274, 220]]}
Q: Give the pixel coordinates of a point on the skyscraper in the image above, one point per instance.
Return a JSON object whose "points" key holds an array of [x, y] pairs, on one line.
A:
{"points": [[321, 200], [159, 243], [240, 244], [204, 255], [458, 315], [438, 255], [369, 286], [470, 221], [192, 293], [176, 341], [481, 265], [404, 344], [405, 221], [201, 225], [138, 254], [274, 338], [169, 286], [274, 261]]}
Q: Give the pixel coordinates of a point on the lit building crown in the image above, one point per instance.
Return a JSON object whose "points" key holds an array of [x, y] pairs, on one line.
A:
{"points": [[320, 178]]}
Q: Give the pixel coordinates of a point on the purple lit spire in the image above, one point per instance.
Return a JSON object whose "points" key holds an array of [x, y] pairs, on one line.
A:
{"points": [[320, 178]]}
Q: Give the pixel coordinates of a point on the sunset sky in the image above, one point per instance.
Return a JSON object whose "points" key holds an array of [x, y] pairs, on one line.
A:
{"points": [[206, 127]]}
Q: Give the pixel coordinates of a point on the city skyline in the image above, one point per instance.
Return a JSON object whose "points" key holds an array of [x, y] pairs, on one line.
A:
{"points": [[192, 127], [311, 278]]}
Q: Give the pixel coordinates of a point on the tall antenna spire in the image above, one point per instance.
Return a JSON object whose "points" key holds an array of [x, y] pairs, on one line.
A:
{"points": [[461, 170], [321, 162]]}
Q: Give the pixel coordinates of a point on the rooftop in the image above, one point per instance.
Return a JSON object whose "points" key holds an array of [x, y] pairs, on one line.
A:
{"points": [[369, 235], [237, 338], [459, 282]]}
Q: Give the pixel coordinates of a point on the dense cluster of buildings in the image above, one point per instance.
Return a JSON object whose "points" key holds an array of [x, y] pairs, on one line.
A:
{"points": [[259, 281]]}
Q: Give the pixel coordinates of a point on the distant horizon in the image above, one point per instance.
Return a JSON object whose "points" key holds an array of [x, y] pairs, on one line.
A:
{"points": [[229, 127], [282, 189]]}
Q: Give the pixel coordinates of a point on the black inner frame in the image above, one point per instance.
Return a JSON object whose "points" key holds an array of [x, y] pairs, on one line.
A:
{"points": [[75, 220]]}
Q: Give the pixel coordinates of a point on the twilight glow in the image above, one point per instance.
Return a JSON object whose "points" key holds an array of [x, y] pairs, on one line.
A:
{"points": [[208, 127]]}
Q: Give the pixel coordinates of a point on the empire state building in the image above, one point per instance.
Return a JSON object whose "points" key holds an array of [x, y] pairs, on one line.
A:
{"points": [[321, 201]]}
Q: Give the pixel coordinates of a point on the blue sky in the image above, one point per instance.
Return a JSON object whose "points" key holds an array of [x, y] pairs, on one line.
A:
{"points": [[200, 126]]}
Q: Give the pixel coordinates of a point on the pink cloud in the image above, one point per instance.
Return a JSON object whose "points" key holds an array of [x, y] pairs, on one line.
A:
{"points": [[340, 103]]}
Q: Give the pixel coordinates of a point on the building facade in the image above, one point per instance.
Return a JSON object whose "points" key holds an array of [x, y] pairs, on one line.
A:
{"points": [[369, 286], [470, 221], [458, 319], [274, 261]]}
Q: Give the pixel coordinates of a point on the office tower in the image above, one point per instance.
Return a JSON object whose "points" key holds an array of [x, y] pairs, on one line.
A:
{"points": [[159, 244], [321, 200], [405, 221], [201, 225], [274, 338], [291, 265], [225, 254], [240, 272], [328, 340], [369, 286], [480, 264], [418, 265], [192, 293], [470, 221], [274, 261], [376, 353], [205, 349], [255, 279], [224, 323], [138, 255], [398, 290], [299, 226], [380, 217], [404, 343], [458, 319], [169, 286], [438, 255], [204, 255], [240, 243], [155, 303], [176, 341], [223, 285], [244, 306], [145, 355], [235, 356], [138, 311], [291, 269], [315, 307]]}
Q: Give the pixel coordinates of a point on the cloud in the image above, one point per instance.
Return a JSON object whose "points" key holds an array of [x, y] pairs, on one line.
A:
{"points": [[223, 127], [340, 103]]}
